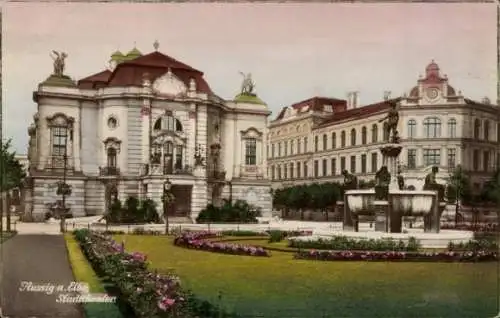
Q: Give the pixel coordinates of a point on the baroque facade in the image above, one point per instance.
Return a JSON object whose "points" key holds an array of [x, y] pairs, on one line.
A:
{"points": [[147, 119], [314, 140]]}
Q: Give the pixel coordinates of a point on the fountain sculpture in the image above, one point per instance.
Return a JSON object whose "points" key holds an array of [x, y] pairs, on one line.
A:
{"points": [[388, 201]]}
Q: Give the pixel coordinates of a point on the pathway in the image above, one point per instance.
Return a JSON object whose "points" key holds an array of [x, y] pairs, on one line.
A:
{"points": [[35, 259]]}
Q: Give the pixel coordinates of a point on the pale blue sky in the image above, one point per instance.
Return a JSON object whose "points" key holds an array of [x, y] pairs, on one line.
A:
{"points": [[294, 51]]}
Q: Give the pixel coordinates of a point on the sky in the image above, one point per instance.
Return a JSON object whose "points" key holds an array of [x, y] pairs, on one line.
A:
{"points": [[294, 51]]}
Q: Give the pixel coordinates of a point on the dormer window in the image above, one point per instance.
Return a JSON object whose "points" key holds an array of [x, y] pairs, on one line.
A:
{"points": [[328, 108]]}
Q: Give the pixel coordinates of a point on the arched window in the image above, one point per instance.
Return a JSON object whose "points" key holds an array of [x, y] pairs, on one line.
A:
{"points": [[334, 140], [168, 123], [486, 133], [342, 139], [353, 137], [412, 128], [111, 156], [325, 141], [477, 128], [374, 133], [432, 127], [363, 135], [452, 128], [386, 132]]}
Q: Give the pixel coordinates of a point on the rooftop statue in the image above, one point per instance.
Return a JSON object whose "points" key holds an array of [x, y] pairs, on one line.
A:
{"points": [[248, 85], [391, 124], [59, 63]]}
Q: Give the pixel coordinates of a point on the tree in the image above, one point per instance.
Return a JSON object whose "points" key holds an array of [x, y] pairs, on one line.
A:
{"points": [[11, 175], [458, 189], [12, 172], [491, 189]]}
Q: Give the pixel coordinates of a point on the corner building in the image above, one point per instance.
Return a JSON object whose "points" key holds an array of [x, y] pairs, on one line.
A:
{"points": [[314, 140], [127, 129]]}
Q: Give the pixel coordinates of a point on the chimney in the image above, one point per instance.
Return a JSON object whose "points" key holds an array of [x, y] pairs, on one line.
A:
{"points": [[352, 100]]}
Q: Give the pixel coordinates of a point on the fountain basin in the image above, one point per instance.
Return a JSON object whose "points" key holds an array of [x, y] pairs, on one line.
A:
{"points": [[407, 203]]}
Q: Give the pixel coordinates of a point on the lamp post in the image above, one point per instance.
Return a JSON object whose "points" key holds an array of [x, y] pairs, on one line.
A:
{"points": [[64, 189], [167, 195]]}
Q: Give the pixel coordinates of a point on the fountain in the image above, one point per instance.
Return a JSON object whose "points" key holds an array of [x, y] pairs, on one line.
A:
{"points": [[388, 201]]}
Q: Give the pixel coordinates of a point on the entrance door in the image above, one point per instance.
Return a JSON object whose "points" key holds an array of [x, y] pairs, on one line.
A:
{"points": [[182, 204]]}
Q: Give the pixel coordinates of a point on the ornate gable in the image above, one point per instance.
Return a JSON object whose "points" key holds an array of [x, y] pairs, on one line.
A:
{"points": [[169, 85]]}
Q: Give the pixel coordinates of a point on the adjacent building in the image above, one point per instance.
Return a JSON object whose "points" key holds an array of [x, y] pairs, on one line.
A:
{"points": [[314, 140], [149, 118]]}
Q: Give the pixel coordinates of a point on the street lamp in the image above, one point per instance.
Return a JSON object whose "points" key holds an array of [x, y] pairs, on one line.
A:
{"points": [[64, 190], [167, 195]]}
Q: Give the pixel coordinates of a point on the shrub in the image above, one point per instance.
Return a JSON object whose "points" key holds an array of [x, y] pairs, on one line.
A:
{"points": [[345, 243], [242, 233], [473, 245], [276, 236], [134, 211], [238, 212]]}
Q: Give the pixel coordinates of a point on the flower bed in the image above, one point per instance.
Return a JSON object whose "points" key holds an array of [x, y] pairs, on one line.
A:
{"points": [[143, 292], [482, 227], [450, 256], [345, 243], [199, 240], [474, 245]]}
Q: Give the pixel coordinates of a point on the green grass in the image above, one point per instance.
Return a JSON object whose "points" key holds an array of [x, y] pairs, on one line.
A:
{"points": [[282, 287], [83, 272]]}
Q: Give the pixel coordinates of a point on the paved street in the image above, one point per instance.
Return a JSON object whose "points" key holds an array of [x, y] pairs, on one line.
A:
{"points": [[35, 260]]}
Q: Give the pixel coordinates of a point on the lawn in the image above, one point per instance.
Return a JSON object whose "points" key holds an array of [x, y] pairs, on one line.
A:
{"points": [[83, 272], [282, 287]]}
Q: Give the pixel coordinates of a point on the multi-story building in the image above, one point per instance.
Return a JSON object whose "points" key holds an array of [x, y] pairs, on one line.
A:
{"points": [[149, 118], [313, 141]]}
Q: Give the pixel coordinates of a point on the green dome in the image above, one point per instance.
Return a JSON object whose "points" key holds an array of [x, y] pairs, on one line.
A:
{"points": [[133, 54], [117, 56], [249, 98]]}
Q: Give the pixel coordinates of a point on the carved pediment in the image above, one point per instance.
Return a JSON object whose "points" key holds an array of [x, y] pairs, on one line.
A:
{"points": [[168, 137], [112, 142], [60, 119], [251, 132], [169, 85]]}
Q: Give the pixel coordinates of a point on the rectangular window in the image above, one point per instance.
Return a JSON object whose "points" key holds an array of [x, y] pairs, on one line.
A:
{"points": [[334, 140], [353, 164], [316, 168], [324, 168], [279, 172], [291, 171], [432, 157], [374, 162], [305, 169], [486, 161], [273, 173], [305, 144], [292, 150], [363, 163], [299, 145], [475, 160], [333, 166], [342, 164], [298, 170], [178, 157], [452, 157], [279, 149], [412, 158], [285, 171], [286, 148], [59, 140], [251, 151], [316, 143], [272, 150]]}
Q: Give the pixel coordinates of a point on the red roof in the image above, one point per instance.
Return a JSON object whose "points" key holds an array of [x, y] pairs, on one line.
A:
{"points": [[156, 64], [316, 103], [360, 112]]}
